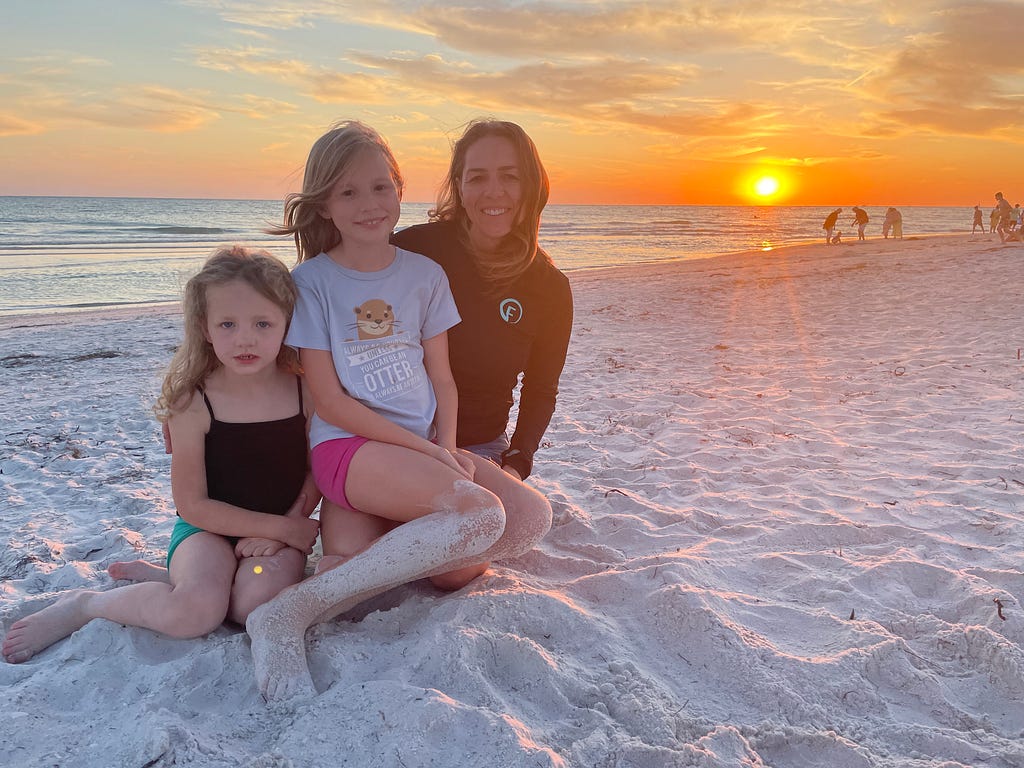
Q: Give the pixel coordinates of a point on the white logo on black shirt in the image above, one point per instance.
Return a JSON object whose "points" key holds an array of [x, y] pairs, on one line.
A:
{"points": [[511, 311]]}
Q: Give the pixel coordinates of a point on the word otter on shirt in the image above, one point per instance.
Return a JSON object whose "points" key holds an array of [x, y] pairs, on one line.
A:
{"points": [[385, 368]]}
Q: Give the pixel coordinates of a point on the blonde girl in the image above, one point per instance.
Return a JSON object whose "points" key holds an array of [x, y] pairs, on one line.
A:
{"points": [[371, 327], [239, 472]]}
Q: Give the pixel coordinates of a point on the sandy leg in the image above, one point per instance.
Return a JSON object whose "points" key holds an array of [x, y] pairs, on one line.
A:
{"points": [[279, 655], [137, 570], [30, 635], [327, 562], [409, 552]]}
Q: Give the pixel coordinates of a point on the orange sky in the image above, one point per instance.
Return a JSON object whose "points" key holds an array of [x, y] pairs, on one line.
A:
{"points": [[917, 102]]}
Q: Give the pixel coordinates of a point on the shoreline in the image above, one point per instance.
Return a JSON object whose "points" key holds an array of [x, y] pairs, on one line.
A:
{"points": [[871, 246]]}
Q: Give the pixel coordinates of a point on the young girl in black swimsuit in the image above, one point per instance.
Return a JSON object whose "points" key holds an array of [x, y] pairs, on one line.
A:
{"points": [[239, 472]]}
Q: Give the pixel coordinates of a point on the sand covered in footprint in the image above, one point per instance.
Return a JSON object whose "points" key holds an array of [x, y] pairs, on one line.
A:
{"points": [[788, 494]]}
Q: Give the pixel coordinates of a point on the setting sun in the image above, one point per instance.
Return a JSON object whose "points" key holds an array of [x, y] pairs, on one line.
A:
{"points": [[766, 186]]}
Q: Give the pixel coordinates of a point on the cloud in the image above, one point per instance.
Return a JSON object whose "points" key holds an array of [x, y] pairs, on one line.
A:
{"points": [[11, 125], [262, 107], [151, 108], [563, 29], [613, 92], [963, 77]]}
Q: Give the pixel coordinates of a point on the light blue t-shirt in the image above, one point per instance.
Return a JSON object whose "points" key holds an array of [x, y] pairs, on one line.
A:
{"points": [[373, 324]]}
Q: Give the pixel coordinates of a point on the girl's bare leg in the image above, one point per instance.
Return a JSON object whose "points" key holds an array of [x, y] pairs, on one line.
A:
{"points": [[259, 579], [447, 519], [345, 533], [527, 521], [137, 570], [194, 603]]}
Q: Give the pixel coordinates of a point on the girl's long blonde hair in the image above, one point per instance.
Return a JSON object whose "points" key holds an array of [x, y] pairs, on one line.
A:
{"points": [[520, 247], [328, 160], [194, 359]]}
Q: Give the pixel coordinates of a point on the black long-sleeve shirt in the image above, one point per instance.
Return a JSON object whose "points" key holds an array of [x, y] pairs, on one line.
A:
{"points": [[524, 329]]}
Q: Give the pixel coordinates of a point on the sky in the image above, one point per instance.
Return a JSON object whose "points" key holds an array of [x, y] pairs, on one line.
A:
{"points": [[916, 102]]}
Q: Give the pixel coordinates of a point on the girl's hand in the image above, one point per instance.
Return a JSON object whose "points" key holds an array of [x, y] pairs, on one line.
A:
{"points": [[466, 463], [252, 546], [297, 507], [301, 532], [453, 460]]}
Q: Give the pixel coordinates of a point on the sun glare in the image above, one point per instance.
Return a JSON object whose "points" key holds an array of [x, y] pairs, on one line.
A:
{"points": [[766, 186]]}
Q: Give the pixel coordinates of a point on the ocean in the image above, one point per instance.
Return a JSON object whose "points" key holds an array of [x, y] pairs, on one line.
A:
{"points": [[71, 253]]}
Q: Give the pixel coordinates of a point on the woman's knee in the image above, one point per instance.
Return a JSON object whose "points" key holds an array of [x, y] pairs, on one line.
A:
{"points": [[529, 517]]}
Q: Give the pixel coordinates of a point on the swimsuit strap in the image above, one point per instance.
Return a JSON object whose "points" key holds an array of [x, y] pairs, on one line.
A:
{"points": [[207, 401], [298, 387]]}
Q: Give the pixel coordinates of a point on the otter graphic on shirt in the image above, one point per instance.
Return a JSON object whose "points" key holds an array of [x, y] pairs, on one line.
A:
{"points": [[374, 319], [383, 365]]}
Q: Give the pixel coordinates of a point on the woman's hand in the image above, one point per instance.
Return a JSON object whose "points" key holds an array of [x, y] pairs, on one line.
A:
{"points": [[510, 470]]}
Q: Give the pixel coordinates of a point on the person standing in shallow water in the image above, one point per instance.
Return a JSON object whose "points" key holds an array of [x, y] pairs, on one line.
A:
{"points": [[893, 222], [978, 221], [860, 218], [1004, 216], [830, 224]]}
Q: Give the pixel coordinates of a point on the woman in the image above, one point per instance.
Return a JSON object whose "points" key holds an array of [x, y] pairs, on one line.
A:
{"points": [[516, 310], [516, 307]]}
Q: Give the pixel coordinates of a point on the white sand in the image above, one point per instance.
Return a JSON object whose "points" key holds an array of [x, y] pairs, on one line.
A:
{"points": [[788, 490]]}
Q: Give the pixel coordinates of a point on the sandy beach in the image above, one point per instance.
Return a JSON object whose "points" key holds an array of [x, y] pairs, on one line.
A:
{"points": [[788, 494]]}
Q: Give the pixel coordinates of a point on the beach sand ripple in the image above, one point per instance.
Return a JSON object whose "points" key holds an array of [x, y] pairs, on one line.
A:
{"points": [[787, 492]]}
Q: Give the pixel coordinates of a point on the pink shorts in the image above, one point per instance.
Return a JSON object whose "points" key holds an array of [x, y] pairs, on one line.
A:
{"points": [[330, 461]]}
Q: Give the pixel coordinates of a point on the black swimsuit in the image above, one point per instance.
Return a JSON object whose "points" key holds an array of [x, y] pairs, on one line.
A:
{"points": [[260, 465]]}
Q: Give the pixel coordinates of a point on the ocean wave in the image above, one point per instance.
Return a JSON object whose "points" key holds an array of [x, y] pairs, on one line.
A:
{"points": [[179, 230]]}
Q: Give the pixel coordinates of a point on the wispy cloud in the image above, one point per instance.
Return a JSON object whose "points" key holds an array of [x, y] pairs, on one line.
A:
{"points": [[965, 77], [11, 125]]}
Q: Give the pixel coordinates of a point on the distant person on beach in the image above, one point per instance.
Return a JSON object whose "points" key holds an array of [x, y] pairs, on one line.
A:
{"points": [[993, 220], [371, 327], [860, 218], [830, 224], [1018, 213], [893, 221], [239, 474], [1005, 216], [978, 221]]}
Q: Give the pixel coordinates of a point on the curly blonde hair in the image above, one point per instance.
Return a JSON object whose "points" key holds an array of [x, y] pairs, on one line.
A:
{"points": [[331, 156], [194, 358], [520, 248]]}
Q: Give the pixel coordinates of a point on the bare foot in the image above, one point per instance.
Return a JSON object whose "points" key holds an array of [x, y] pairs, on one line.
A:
{"points": [[279, 655], [30, 635], [137, 570]]}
